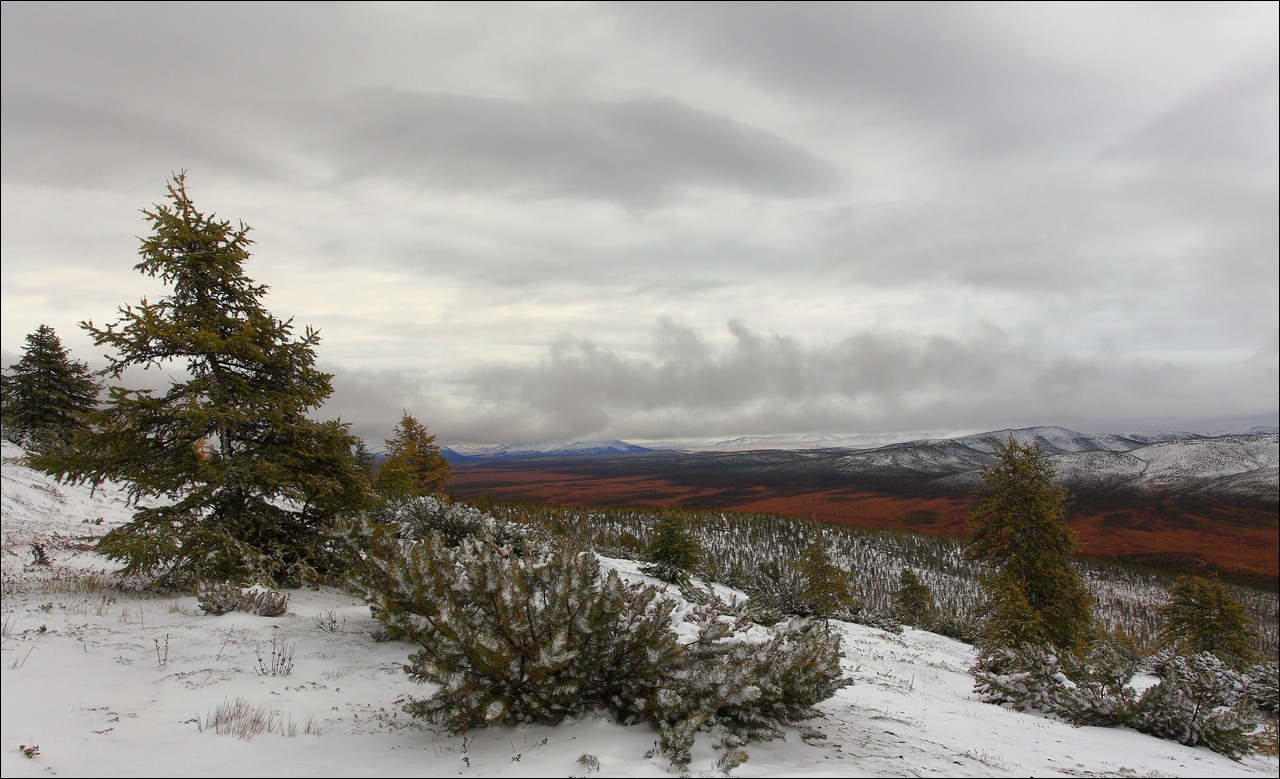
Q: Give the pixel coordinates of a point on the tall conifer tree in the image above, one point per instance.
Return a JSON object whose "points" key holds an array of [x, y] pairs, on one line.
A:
{"points": [[47, 394], [1021, 534], [245, 477]]}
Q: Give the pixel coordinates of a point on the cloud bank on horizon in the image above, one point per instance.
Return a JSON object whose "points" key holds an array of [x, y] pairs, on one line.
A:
{"points": [[534, 222]]}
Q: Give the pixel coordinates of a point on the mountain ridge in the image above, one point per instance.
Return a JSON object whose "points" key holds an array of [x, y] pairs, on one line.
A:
{"points": [[1239, 464], [468, 453]]}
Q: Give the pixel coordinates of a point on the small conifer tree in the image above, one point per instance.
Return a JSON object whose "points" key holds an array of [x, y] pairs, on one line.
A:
{"points": [[1202, 616], [827, 592], [414, 465], [913, 601], [674, 553], [47, 395]]}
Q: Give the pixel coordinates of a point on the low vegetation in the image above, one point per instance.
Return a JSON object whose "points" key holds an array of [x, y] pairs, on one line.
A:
{"points": [[515, 625], [1126, 599]]}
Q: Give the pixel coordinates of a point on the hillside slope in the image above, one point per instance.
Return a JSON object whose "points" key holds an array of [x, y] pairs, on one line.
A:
{"points": [[105, 681]]}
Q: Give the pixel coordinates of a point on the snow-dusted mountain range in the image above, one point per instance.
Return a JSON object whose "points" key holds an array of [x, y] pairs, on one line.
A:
{"points": [[1241, 464], [464, 452]]}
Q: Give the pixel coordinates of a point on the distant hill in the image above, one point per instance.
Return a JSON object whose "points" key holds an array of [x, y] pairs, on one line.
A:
{"points": [[1238, 464], [1177, 499], [473, 454]]}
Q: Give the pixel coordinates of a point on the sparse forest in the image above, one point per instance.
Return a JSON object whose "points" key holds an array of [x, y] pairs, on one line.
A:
{"points": [[1125, 598], [888, 579]]}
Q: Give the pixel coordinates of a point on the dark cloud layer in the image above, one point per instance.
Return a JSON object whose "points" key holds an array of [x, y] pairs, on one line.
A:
{"points": [[683, 383], [842, 217], [50, 141], [636, 152]]}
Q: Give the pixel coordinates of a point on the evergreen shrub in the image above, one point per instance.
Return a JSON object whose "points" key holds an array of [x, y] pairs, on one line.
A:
{"points": [[1029, 678], [1200, 701], [1089, 690], [514, 626], [1101, 694], [1264, 687], [220, 598]]}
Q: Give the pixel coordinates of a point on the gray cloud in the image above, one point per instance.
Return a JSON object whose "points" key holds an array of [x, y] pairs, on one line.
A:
{"points": [[913, 216], [49, 140], [682, 383], [1229, 121], [937, 64], [637, 152]]}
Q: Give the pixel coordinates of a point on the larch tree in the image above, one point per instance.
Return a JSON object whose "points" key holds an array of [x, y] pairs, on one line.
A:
{"points": [[913, 601], [673, 552], [47, 395], [1202, 616], [232, 478], [414, 465], [827, 591], [1020, 534]]}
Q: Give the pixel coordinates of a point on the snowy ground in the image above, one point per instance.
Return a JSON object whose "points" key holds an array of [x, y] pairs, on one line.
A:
{"points": [[101, 682]]}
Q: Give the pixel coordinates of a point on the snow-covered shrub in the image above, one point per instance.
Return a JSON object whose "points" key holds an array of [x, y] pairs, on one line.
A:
{"points": [[1035, 679], [675, 741], [419, 517], [1199, 701], [264, 603], [219, 598], [511, 637], [416, 519], [1093, 690], [1263, 687], [1100, 693], [746, 679], [1156, 662], [783, 678], [516, 628], [1029, 678], [879, 619]]}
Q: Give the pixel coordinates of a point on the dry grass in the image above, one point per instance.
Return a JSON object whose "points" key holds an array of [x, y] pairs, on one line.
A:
{"points": [[242, 719], [178, 607]]}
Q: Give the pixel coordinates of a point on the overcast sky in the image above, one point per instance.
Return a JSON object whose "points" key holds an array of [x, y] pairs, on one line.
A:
{"points": [[547, 222]]}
